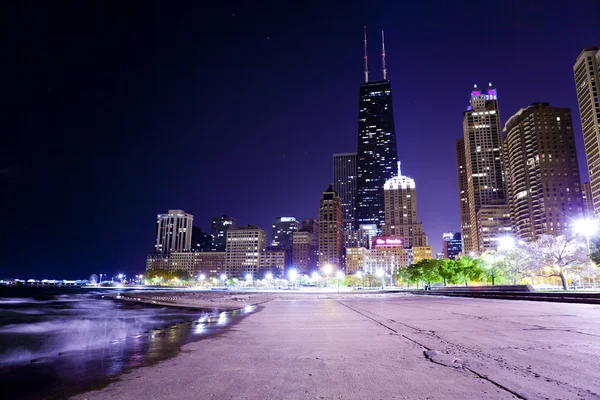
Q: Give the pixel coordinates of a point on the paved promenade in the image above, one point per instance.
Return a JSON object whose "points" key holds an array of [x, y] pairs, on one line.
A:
{"points": [[385, 347]]}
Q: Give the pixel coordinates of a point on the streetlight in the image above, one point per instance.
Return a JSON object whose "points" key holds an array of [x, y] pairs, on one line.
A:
{"points": [[327, 270], [339, 275], [587, 228], [202, 277], [269, 276], [223, 278], [506, 243], [248, 278], [293, 274], [359, 275], [380, 274]]}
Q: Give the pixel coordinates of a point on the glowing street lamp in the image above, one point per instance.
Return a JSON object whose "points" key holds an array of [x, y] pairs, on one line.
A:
{"points": [[269, 276], [293, 274], [202, 277], [315, 275], [587, 228], [506, 243], [359, 275], [223, 278]]}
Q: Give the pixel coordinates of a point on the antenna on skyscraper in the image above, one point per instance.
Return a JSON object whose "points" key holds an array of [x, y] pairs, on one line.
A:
{"points": [[383, 55], [366, 63]]}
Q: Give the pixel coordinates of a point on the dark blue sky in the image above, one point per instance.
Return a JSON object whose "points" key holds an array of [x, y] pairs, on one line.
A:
{"points": [[124, 110]]}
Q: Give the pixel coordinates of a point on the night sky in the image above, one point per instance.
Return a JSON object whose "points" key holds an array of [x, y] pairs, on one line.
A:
{"points": [[121, 110]]}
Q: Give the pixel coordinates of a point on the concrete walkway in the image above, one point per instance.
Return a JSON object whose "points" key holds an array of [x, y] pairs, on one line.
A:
{"points": [[385, 347]]}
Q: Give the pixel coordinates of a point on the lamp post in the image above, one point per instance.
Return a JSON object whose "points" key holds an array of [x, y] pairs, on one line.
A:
{"points": [[202, 277], [249, 278], [359, 275], [587, 228], [223, 278], [339, 275], [293, 274]]}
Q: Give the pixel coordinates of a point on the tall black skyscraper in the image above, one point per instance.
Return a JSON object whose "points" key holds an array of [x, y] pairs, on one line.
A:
{"points": [[344, 184], [377, 155]]}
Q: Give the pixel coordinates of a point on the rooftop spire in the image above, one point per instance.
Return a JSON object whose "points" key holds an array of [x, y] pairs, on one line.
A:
{"points": [[366, 63], [383, 55]]}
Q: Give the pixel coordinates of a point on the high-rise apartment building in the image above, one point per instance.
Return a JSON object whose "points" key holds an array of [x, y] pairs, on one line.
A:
{"points": [[173, 232], [586, 195], [283, 228], [273, 260], [310, 225], [463, 195], [377, 154], [541, 171], [400, 198], [344, 184], [482, 138], [244, 247], [452, 245], [218, 230], [330, 230], [587, 81]]}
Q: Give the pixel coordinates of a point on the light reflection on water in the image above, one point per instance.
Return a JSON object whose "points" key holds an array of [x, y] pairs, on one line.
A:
{"points": [[79, 339]]}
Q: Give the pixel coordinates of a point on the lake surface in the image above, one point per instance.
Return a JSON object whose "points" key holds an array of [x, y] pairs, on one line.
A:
{"points": [[58, 342]]}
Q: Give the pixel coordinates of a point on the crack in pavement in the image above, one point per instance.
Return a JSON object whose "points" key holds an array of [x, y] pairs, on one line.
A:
{"points": [[429, 354], [524, 371]]}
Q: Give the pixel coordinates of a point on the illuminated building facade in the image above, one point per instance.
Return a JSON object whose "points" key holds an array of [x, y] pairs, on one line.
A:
{"points": [[493, 221], [388, 254], [330, 231], [273, 260], [356, 258], [244, 247], [482, 139], [587, 81], [173, 232], [400, 198], [377, 153], [344, 184], [305, 247], [541, 171], [586, 195], [452, 244], [463, 195], [283, 228], [218, 231], [211, 264], [421, 253]]}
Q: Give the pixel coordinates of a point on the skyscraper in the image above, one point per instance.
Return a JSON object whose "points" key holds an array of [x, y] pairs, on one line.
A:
{"points": [[587, 79], [377, 154], [344, 184], [173, 232], [244, 247], [586, 194], [304, 251], [541, 171], [218, 230], [401, 219], [283, 228], [330, 230], [463, 195], [482, 137], [452, 245]]}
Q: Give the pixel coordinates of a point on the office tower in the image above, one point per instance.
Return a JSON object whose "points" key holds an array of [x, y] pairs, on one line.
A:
{"points": [[283, 227], [421, 253], [356, 258], [218, 230], [587, 79], [201, 241], [273, 260], [173, 232], [244, 247], [377, 153], [344, 184], [493, 222], [210, 263], [330, 231], [541, 171], [388, 255], [310, 225], [482, 137], [305, 247], [400, 199], [452, 245], [463, 195], [588, 205]]}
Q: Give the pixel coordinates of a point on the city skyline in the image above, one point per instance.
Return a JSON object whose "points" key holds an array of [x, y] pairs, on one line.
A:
{"points": [[98, 142]]}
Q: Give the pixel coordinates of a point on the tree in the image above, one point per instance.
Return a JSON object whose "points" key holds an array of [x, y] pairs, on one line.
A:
{"points": [[447, 270], [557, 256], [469, 269]]}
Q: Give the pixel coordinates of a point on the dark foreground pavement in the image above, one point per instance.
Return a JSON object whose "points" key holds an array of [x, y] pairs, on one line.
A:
{"points": [[385, 347]]}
